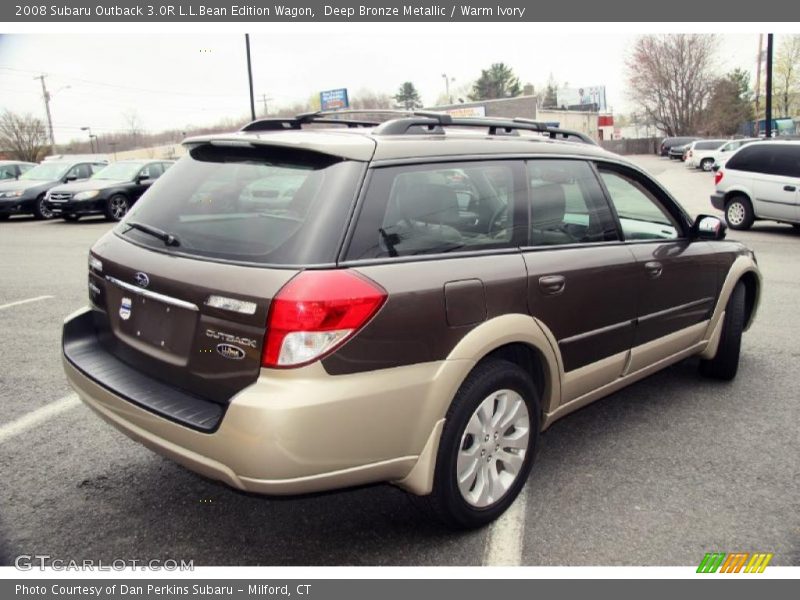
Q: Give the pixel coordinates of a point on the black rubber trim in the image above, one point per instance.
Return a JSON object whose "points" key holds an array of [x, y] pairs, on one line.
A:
{"points": [[83, 349]]}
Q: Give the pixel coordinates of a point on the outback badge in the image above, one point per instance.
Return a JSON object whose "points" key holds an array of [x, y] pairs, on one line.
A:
{"points": [[125, 309], [230, 351]]}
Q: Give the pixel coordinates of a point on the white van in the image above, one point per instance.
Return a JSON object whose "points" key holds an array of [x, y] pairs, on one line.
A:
{"points": [[760, 181]]}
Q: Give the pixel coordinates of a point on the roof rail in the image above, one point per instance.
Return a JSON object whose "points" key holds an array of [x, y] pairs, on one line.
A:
{"points": [[288, 123], [429, 122], [415, 121]]}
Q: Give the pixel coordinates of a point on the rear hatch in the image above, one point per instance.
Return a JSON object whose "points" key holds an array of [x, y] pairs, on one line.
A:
{"points": [[182, 287]]}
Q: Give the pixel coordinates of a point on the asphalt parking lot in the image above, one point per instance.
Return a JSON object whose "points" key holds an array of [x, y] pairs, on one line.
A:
{"points": [[657, 474]]}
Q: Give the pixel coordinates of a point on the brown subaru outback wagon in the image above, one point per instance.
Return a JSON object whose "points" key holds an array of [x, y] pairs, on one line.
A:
{"points": [[316, 303]]}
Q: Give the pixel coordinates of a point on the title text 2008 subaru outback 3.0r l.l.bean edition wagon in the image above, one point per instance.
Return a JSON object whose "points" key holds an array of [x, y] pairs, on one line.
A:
{"points": [[294, 310]]}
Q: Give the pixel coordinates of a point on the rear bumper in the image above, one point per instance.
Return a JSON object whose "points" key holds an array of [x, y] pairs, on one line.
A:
{"points": [[293, 431], [718, 201]]}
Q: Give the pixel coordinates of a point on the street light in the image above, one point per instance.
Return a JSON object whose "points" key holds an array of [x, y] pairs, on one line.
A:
{"points": [[91, 137], [447, 81]]}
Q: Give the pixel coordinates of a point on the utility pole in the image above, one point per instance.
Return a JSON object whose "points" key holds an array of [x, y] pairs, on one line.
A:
{"points": [[768, 127], [46, 97], [250, 77], [264, 99], [759, 63]]}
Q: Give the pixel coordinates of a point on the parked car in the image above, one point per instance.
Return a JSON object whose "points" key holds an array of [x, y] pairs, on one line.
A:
{"points": [[668, 143], [12, 169], [700, 153], [679, 152], [416, 310], [722, 155], [760, 181], [111, 191], [26, 194]]}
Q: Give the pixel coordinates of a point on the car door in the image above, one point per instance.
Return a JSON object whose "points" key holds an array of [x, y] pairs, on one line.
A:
{"points": [[776, 186], [677, 279], [147, 175], [582, 280]]}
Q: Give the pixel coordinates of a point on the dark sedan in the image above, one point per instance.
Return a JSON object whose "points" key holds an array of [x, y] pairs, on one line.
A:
{"points": [[111, 192], [26, 195], [668, 145]]}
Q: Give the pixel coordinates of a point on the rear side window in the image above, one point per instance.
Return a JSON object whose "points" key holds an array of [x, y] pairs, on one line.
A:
{"points": [[755, 158], [429, 209], [786, 160], [567, 204], [708, 145], [265, 205]]}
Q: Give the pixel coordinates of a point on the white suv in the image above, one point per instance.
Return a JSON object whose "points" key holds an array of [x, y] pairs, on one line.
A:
{"points": [[760, 181], [700, 154]]}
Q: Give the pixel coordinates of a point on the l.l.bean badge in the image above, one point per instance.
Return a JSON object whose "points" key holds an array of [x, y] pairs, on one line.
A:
{"points": [[125, 309]]}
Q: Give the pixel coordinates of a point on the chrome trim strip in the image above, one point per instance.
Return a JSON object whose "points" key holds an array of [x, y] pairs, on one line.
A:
{"points": [[593, 332], [623, 324], [153, 295], [674, 309]]}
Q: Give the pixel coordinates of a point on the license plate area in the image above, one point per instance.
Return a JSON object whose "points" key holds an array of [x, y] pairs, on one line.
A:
{"points": [[157, 328]]}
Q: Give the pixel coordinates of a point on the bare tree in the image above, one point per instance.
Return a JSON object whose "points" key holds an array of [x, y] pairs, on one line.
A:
{"points": [[24, 136], [670, 78], [134, 123], [787, 74]]}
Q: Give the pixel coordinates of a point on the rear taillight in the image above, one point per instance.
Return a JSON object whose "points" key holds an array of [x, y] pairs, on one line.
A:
{"points": [[718, 176], [316, 312]]}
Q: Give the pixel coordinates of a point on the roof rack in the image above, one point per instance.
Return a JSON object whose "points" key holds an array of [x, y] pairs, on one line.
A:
{"points": [[415, 121], [431, 122]]}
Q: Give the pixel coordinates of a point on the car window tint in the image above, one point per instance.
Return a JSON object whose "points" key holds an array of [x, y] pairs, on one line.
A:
{"points": [[754, 158], [786, 160], [151, 171], [7, 172], [426, 209], [640, 214], [567, 204]]}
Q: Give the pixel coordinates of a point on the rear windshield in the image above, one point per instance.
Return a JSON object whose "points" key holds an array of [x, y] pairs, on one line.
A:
{"points": [[713, 145], [265, 205]]}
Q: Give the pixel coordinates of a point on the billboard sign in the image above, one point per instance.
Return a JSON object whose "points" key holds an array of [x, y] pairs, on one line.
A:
{"points": [[333, 99], [583, 96], [468, 111]]}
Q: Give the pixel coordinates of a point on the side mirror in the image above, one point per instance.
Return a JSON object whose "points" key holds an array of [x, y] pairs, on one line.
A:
{"points": [[69, 178], [706, 227], [141, 178]]}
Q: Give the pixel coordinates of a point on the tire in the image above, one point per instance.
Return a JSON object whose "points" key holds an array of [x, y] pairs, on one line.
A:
{"points": [[40, 210], [71, 218], [494, 389], [795, 225], [707, 164], [117, 207], [725, 364], [739, 213]]}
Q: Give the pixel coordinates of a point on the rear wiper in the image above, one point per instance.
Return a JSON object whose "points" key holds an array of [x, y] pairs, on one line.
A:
{"points": [[167, 238]]}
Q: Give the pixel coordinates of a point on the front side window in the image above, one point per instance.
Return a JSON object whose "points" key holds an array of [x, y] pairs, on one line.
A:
{"points": [[429, 209], [640, 214], [567, 204]]}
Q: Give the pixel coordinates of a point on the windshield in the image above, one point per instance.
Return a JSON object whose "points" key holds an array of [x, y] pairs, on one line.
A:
{"points": [[263, 205], [48, 171], [119, 171]]}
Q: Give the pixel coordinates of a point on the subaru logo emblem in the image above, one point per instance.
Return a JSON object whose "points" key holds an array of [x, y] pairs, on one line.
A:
{"points": [[230, 351], [141, 279]]}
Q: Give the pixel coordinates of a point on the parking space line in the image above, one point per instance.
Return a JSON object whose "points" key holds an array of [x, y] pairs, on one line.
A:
{"points": [[504, 540], [18, 302], [36, 417]]}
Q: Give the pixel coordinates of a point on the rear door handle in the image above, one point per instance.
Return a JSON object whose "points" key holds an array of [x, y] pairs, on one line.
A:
{"points": [[789, 188], [552, 284], [654, 269]]}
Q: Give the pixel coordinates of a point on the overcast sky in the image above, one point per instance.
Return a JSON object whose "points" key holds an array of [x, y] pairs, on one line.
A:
{"points": [[174, 81]]}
